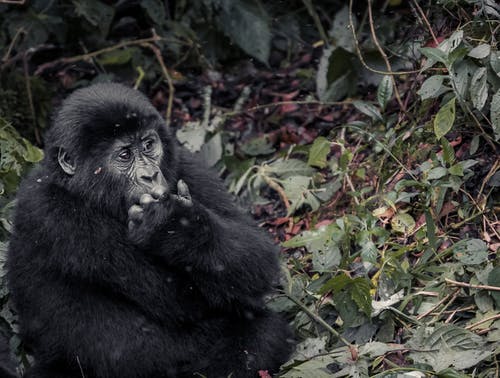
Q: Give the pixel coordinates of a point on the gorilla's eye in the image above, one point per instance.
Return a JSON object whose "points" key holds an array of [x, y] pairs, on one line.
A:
{"points": [[148, 145], [125, 155]]}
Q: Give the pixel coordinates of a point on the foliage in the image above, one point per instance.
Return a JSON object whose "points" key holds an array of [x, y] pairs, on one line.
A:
{"points": [[376, 168]]}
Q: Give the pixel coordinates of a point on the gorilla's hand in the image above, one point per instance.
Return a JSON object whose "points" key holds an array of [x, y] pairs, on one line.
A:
{"points": [[154, 210], [183, 198]]}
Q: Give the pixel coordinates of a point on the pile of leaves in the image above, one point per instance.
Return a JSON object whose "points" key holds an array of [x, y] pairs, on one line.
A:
{"points": [[366, 143]]}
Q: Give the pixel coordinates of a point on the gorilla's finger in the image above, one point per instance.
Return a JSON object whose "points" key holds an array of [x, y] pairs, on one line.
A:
{"points": [[146, 199], [183, 190], [135, 213], [183, 201], [158, 192]]}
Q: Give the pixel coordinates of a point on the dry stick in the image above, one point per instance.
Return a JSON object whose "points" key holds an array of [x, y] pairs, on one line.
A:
{"points": [[17, 2], [384, 56], [472, 286], [426, 21], [274, 185], [93, 54], [170, 84], [360, 55], [12, 43], [317, 22], [493, 317], [437, 305]]}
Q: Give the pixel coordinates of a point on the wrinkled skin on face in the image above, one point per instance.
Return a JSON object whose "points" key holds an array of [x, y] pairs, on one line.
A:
{"points": [[138, 157]]}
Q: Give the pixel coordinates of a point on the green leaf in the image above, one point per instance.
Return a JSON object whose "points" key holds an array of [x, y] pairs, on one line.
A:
{"points": [[448, 152], [403, 223], [288, 168], [495, 114], [322, 243], [258, 146], [360, 293], [155, 10], [248, 26], [437, 173], [96, 13], [192, 136], [211, 152], [494, 280], [116, 57], [318, 153], [471, 251], [384, 91], [481, 51], [456, 170], [447, 345], [368, 109], [340, 31], [434, 53], [479, 88], [432, 87], [495, 62], [444, 119], [32, 154]]}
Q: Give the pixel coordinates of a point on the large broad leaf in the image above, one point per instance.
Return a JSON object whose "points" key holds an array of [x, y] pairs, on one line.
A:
{"points": [[246, 25], [444, 119], [495, 114], [447, 345]]}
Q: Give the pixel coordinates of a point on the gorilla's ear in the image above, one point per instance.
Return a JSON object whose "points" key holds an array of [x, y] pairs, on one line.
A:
{"points": [[66, 162]]}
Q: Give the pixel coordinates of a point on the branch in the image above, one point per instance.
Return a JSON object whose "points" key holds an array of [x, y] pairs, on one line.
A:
{"points": [[471, 286], [93, 54]]}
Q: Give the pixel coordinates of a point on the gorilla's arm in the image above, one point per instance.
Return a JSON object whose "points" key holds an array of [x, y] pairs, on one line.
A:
{"points": [[231, 259]]}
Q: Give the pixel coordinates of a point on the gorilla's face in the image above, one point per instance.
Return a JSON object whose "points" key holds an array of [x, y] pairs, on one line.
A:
{"points": [[137, 158]]}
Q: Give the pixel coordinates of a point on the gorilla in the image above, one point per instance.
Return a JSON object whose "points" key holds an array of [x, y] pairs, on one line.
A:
{"points": [[130, 259]]}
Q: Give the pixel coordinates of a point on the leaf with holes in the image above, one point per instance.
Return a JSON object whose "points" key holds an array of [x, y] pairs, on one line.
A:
{"points": [[471, 251]]}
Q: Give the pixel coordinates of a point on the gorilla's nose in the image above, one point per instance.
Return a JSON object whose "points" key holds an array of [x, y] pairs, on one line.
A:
{"points": [[147, 175]]}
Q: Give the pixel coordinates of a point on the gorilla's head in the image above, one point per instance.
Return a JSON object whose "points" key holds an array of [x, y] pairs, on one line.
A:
{"points": [[108, 145]]}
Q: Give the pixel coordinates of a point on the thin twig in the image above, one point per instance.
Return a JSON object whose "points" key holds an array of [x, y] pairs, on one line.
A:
{"points": [[485, 320], [12, 44], [433, 308], [93, 54], [360, 55], [310, 8], [274, 185], [167, 76], [426, 21], [384, 57], [319, 320], [472, 286]]}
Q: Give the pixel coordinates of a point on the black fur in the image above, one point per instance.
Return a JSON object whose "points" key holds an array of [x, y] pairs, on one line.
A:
{"points": [[93, 304]]}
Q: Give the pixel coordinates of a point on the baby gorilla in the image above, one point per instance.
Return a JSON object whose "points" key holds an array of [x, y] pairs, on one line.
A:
{"points": [[129, 258]]}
